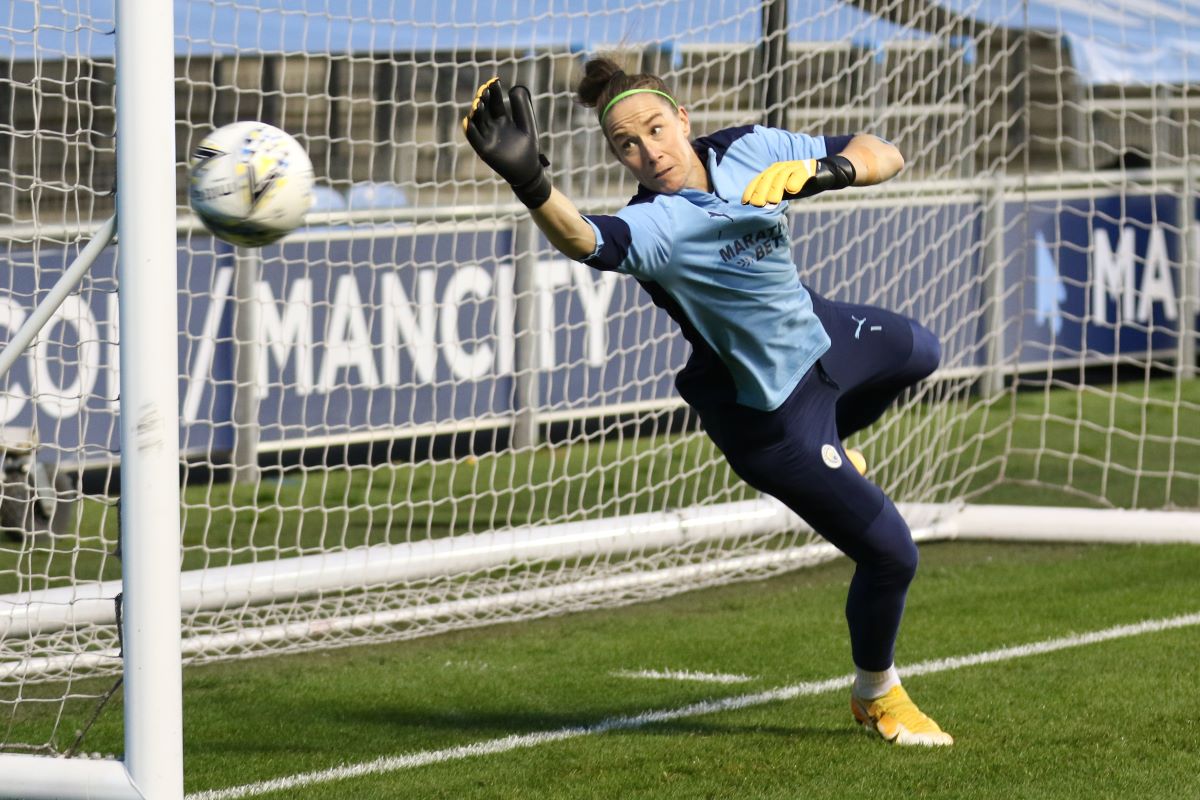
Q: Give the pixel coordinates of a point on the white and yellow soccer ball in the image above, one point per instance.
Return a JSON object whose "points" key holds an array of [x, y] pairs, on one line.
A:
{"points": [[250, 183]]}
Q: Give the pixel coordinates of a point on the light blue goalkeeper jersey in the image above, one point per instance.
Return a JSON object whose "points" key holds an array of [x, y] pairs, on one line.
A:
{"points": [[724, 271]]}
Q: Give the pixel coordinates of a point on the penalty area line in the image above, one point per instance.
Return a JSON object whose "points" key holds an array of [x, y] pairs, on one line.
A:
{"points": [[681, 675], [505, 744]]}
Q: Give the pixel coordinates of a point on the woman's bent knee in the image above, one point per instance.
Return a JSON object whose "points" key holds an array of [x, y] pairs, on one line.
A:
{"points": [[889, 551], [926, 351]]}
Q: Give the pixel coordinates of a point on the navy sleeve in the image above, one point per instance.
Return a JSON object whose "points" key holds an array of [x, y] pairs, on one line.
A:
{"points": [[836, 144], [637, 241], [614, 237]]}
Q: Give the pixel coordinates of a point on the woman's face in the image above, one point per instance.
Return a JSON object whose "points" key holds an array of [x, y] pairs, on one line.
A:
{"points": [[651, 139]]}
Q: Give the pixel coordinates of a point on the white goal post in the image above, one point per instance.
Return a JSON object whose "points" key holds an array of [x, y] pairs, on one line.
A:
{"points": [[412, 416], [148, 594]]}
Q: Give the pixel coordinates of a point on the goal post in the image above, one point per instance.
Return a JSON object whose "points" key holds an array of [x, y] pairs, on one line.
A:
{"points": [[152, 763], [149, 415], [412, 415]]}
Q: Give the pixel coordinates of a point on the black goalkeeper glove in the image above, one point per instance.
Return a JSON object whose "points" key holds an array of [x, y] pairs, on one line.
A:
{"points": [[509, 143], [833, 172], [787, 180]]}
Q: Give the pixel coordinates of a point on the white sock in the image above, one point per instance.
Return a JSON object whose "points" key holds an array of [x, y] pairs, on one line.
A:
{"points": [[870, 685]]}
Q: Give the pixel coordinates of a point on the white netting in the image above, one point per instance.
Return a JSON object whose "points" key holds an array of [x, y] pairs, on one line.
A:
{"points": [[362, 404]]}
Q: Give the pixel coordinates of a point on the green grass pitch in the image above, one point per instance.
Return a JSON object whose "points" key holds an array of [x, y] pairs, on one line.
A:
{"points": [[1114, 719]]}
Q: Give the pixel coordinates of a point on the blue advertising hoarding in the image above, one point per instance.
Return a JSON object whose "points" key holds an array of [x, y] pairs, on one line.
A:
{"points": [[411, 331], [1091, 278], [922, 259]]}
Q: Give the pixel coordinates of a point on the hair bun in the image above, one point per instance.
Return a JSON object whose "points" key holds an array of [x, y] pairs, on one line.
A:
{"points": [[603, 79]]}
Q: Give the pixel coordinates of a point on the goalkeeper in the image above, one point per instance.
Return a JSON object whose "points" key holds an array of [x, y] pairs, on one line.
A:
{"points": [[778, 374]]}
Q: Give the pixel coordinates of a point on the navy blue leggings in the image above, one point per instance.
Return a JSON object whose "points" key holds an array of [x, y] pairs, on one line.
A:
{"points": [[875, 355]]}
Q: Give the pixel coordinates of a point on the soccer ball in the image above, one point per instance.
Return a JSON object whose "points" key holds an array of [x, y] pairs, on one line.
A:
{"points": [[250, 183]]}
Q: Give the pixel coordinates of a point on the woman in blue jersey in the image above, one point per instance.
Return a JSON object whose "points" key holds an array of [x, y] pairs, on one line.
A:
{"points": [[778, 375]]}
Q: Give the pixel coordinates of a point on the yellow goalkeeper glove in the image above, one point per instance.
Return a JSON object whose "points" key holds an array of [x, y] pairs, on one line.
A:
{"points": [[782, 176], [792, 179]]}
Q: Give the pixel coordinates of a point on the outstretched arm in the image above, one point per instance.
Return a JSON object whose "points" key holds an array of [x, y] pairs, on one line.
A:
{"points": [[565, 227], [508, 143]]}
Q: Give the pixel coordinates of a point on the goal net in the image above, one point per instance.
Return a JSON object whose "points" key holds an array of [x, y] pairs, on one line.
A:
{"points": [[412, 415]]}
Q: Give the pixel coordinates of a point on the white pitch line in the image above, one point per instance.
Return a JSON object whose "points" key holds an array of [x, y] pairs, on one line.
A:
{"points": [[682, 675], [519, 741]]}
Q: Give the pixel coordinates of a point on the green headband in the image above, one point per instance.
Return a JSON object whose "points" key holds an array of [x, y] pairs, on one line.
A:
{"points": [[628, 92]]}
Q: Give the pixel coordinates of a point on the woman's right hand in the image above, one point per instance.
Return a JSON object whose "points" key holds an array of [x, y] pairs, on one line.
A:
{"points": [[508, 143]]}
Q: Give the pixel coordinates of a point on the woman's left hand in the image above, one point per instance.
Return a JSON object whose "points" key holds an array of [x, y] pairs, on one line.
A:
{"points": [[781, 177]]}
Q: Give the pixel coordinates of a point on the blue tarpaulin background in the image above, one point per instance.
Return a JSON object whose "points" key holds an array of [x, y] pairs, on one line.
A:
{"points": [[1112, 41]]}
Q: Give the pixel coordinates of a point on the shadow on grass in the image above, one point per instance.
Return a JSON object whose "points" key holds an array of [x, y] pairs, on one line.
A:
{"points": [[700, 728], [489, 722], [399, 725]]}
